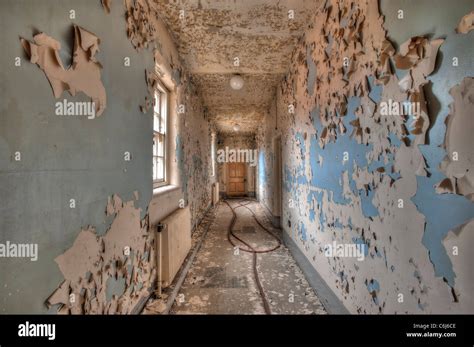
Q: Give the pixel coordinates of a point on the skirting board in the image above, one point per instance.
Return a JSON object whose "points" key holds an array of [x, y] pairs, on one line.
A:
{"points": [[330, 301]]}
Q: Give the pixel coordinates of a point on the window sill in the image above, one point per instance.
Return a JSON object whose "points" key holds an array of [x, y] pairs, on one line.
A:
{"points": [[164, 190]]}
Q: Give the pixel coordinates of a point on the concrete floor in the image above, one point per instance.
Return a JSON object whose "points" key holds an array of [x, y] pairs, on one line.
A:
{"points": [[221, 280]]}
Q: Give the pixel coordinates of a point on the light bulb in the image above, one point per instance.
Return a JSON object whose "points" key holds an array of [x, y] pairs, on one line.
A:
{"points": [[236, 127], [236, 82]]}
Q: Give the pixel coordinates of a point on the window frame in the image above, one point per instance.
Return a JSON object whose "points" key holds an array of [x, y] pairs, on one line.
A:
{"points": [[164, 109]]}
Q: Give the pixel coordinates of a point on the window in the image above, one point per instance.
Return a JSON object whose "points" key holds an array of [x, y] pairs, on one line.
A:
{"points": [[160, 118]]}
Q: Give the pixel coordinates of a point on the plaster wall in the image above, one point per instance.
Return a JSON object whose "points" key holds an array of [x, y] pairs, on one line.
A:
{"points": [[386, 195], [64, 158]]}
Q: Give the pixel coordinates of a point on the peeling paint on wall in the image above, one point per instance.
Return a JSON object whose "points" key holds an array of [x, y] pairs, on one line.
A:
{"points": [[84, 73], [459, 161], [191, 147], [140, 25], [53, 170], [106, 5], [193, 150], [151, 79], [466, 24], [108, 274], [358, 166]]}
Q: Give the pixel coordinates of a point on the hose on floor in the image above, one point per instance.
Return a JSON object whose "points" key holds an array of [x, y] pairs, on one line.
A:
{"points": [[250, 249]]}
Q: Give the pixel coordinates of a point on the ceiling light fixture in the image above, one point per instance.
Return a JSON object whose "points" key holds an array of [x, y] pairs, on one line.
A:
{"points": [[236, 82], [236, 127]]}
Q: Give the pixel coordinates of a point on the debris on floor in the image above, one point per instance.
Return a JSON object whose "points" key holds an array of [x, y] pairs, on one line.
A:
{"points": [[221, 279]]}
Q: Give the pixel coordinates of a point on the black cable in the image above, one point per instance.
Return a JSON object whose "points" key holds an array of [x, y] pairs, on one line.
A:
{"points": [[251, 249]]}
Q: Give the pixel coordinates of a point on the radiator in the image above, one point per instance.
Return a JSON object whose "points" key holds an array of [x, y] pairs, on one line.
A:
{"points": [[215, 193], [173, 245]]}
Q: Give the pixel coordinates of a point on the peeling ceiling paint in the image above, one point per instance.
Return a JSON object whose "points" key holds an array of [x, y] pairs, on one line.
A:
{"points": [[245, 107], [211, 34]]}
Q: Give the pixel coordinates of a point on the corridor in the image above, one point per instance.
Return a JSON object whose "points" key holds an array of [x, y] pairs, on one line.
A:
{"points": [[222, 280]]}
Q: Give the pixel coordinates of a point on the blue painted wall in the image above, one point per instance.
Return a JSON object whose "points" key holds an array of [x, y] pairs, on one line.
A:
{"points": [[319, 208]]}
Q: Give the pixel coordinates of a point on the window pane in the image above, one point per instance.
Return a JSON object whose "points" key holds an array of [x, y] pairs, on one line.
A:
{"points": [[159, 139], [164, 114], [158, 149], [161, 145], [156, 122], [162, 125], [160, 171]]}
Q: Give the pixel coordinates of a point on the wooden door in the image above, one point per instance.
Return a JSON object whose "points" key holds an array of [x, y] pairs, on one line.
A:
{"points": [[236, 179]]}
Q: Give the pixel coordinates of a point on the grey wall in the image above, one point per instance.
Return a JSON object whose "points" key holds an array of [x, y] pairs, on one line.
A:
{"points": [[64, 157]]}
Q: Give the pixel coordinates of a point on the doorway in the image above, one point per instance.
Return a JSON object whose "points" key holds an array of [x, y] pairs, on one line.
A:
{"points": [[236, 179]]}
